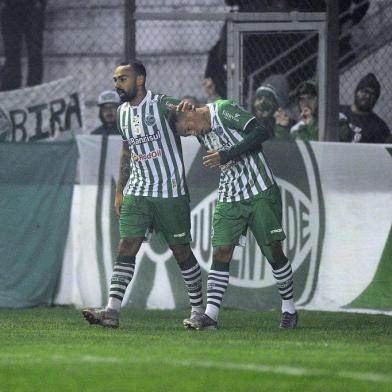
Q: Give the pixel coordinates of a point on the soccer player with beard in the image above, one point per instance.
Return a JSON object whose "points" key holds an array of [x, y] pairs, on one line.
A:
{"points": [[366, 126], [248, 197], [151, 190]]}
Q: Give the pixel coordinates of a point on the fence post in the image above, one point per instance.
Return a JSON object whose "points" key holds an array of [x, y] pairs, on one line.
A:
{"points": [[130, 30], [332, 74]]}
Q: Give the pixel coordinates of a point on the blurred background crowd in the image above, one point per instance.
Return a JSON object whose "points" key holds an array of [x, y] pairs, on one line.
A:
{"points": [[184, 45]]}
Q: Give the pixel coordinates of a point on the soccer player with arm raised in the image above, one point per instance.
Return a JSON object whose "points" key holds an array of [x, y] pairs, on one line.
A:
{"points": [[248, 197], [151, 190]]}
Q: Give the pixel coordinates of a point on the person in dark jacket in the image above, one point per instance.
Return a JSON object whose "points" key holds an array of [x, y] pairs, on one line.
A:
{"points": [[365, 125]]}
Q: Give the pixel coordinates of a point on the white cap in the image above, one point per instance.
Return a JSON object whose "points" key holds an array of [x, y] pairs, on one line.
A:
{"points": [[108, 96]]}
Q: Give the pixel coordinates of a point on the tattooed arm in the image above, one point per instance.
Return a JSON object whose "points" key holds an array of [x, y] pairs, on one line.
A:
{"points": [[123, 177]]}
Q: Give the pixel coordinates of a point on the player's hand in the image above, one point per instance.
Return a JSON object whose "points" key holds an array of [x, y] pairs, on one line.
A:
{"points": [[118, 203], [281, 118], [185, 106], [307, 114], [212, 159]]}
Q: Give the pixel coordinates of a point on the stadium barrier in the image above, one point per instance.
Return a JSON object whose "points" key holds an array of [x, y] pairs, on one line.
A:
{"points": [[337, 209]]}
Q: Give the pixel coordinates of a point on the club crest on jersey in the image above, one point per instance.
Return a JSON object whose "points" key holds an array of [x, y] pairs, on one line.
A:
{"points": [[218, 130], [150, 120]]}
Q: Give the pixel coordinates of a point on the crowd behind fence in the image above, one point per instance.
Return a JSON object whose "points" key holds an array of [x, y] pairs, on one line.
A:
{"points": [[86, 40]]}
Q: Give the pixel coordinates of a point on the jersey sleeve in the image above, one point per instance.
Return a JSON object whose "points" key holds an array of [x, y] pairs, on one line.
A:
{"points": [[118, 122], [167, 103], [233, 116]]}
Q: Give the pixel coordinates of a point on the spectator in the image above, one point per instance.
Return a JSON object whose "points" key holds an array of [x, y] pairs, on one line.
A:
{"points": [[268, 110], [108, 102], [259, 51], [365, 125], [307, 127], [22, 20], [210, 89]]}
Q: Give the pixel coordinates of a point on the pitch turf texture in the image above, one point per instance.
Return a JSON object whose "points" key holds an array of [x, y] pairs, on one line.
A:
{"points": [[54, 349]]}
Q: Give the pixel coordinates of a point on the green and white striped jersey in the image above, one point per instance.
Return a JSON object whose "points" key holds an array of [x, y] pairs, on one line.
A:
{"points": [[249, 174], [156, 164]]}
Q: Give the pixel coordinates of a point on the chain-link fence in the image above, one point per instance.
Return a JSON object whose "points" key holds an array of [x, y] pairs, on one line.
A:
{"points": [[183, 45], [369, 50], [82, 41]]}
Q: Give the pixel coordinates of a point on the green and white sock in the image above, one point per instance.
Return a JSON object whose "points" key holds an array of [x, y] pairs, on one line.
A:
{"points": [[284, 281], [122, 275], [218, 280], [191, 273]]}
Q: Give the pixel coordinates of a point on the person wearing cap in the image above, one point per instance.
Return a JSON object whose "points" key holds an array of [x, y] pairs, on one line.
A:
{"points": [[268, 108], [307, 127], [108, 102], [365, 125]]}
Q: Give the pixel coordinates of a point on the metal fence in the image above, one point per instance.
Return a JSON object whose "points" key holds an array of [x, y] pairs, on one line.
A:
{"points": [[370, 50], [178, 39]]}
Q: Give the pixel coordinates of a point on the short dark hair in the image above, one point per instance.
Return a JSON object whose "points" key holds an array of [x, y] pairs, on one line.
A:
{"points": [[137, 66]]}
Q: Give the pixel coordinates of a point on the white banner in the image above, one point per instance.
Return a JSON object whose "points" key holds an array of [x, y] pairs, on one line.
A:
{"points": [[337, 213], [50, 111]]}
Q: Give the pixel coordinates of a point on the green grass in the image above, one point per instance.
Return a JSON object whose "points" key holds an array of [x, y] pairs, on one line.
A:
{"points": [[54, 349]]}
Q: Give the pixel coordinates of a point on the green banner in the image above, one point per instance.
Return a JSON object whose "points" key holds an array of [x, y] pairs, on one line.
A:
{"points": [[36, 185]]}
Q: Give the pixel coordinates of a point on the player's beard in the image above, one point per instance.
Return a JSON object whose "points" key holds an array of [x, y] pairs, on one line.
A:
{"points": [[127, 96]]}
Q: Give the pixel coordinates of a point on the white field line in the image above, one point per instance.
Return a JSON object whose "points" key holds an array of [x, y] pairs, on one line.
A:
{"points": [[29, 359]]}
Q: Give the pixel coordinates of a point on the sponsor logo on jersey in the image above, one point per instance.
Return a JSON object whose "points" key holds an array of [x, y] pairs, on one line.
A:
{"points": [[144, 139], [230, 116], [150, 120], [145, 157], [179, 235], [170, 106]]}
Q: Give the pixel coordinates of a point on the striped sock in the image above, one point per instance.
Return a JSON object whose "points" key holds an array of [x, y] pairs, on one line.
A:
{"points": [[218, 279], [191, 273], [284, 281], [122, 275]]}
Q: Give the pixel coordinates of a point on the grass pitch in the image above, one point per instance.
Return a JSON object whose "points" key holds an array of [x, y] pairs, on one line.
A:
{"points": [[54, 349]]}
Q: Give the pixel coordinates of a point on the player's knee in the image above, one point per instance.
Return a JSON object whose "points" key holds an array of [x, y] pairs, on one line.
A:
{"points": [[181, 252], [223, 253], [129, 246]]}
